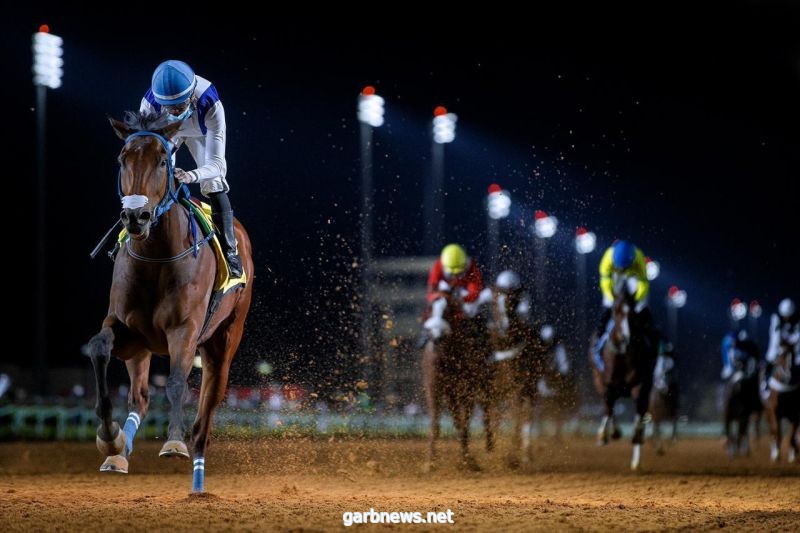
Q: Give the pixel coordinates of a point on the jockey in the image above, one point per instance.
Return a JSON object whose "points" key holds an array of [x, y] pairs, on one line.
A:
{"points": [[784, 328], [508, 285], [452, 271], [176, 90], [745, 355], [554, 344], [624, 259]]}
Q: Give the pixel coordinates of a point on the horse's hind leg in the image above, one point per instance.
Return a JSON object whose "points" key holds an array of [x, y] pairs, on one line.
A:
{"points": [[217, 355], [212, 391], [464, 418], [110, 440], [794, 441]]}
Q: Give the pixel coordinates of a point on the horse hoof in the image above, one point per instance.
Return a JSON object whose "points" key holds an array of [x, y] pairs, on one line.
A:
{"points": [[115, 463], [428, 467], [617, 434], [115, 445], [174, 448], [660, 451], [792, 456]]}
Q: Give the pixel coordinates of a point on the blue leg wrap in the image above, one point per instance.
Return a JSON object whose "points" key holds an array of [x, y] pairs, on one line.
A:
{"points": [[198, 478], [131, 426]]}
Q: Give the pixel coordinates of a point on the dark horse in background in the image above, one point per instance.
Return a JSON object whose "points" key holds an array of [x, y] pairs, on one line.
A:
{"points": [[740, 397], [455, 374], [160, 293], [628, 360], [518, 363], [665, 396], [781, 399]]}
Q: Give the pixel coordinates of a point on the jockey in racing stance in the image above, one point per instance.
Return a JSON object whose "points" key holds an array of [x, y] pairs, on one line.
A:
{"points": [[453, 271], [184, 96], [784, 329], [508, 286], [624, 259]]}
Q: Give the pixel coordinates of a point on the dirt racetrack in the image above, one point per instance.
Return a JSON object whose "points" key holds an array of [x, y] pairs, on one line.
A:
{"points": [[307, 484]]}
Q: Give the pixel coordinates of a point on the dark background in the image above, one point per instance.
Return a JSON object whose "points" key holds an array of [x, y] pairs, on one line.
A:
{"points": [[675, 126]]}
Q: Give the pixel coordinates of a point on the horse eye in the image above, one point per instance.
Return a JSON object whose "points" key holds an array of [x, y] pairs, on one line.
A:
{"points": [[163, 162]]}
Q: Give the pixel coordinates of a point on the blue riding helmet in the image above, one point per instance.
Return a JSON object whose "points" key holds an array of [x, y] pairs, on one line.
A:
{"points": [[173, 82], [624, 254]]}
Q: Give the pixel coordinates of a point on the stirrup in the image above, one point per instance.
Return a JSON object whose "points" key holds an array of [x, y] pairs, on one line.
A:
{"points": [[112, 254], [234, 275]]}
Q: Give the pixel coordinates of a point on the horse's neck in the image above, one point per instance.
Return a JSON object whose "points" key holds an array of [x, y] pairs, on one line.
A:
{"points": [[622, 328], [167, 238]]}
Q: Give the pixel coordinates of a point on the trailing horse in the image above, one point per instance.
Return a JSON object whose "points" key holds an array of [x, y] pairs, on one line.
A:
{"points": [[781, 399], [454, 375], [518, 363], [626, 367]]}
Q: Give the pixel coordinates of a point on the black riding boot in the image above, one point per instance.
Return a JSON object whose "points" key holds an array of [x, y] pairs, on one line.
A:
{"points": [[222, 214], [227, 238]]}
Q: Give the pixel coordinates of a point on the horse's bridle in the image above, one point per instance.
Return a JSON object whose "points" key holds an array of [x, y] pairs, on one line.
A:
{"points": [[170, 197]]}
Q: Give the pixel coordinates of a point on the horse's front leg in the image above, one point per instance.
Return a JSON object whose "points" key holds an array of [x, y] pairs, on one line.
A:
{"points": [[182, 343], [774, 426], [138, 401], [430, 380], [110, 440], [603, 433], [114, 339]]}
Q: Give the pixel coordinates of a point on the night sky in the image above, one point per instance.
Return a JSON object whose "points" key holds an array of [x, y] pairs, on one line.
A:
{"points": [[673, 127]]}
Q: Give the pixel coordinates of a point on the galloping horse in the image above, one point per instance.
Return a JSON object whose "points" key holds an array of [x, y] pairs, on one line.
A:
{"points": [[558, 389], [518, 362], [664, 398], [454, 372], [162, 285], [782, 400], [741, 398], [628, 360]]}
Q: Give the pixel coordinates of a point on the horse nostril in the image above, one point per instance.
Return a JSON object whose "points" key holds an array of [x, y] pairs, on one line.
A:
{"points": [[124, 217], [144, 216]]}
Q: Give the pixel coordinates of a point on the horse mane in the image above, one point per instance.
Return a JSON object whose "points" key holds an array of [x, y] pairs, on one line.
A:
{"points": [[139, 121]]}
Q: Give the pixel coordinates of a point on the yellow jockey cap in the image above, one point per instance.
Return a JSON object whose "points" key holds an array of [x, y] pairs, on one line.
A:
{"points": [[454, 259]]}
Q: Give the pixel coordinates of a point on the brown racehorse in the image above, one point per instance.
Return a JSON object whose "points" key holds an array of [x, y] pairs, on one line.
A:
{"points": [[628, 362], [454, 373], [160, 293], [664, 399], [782, 400], [518, 362]]}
